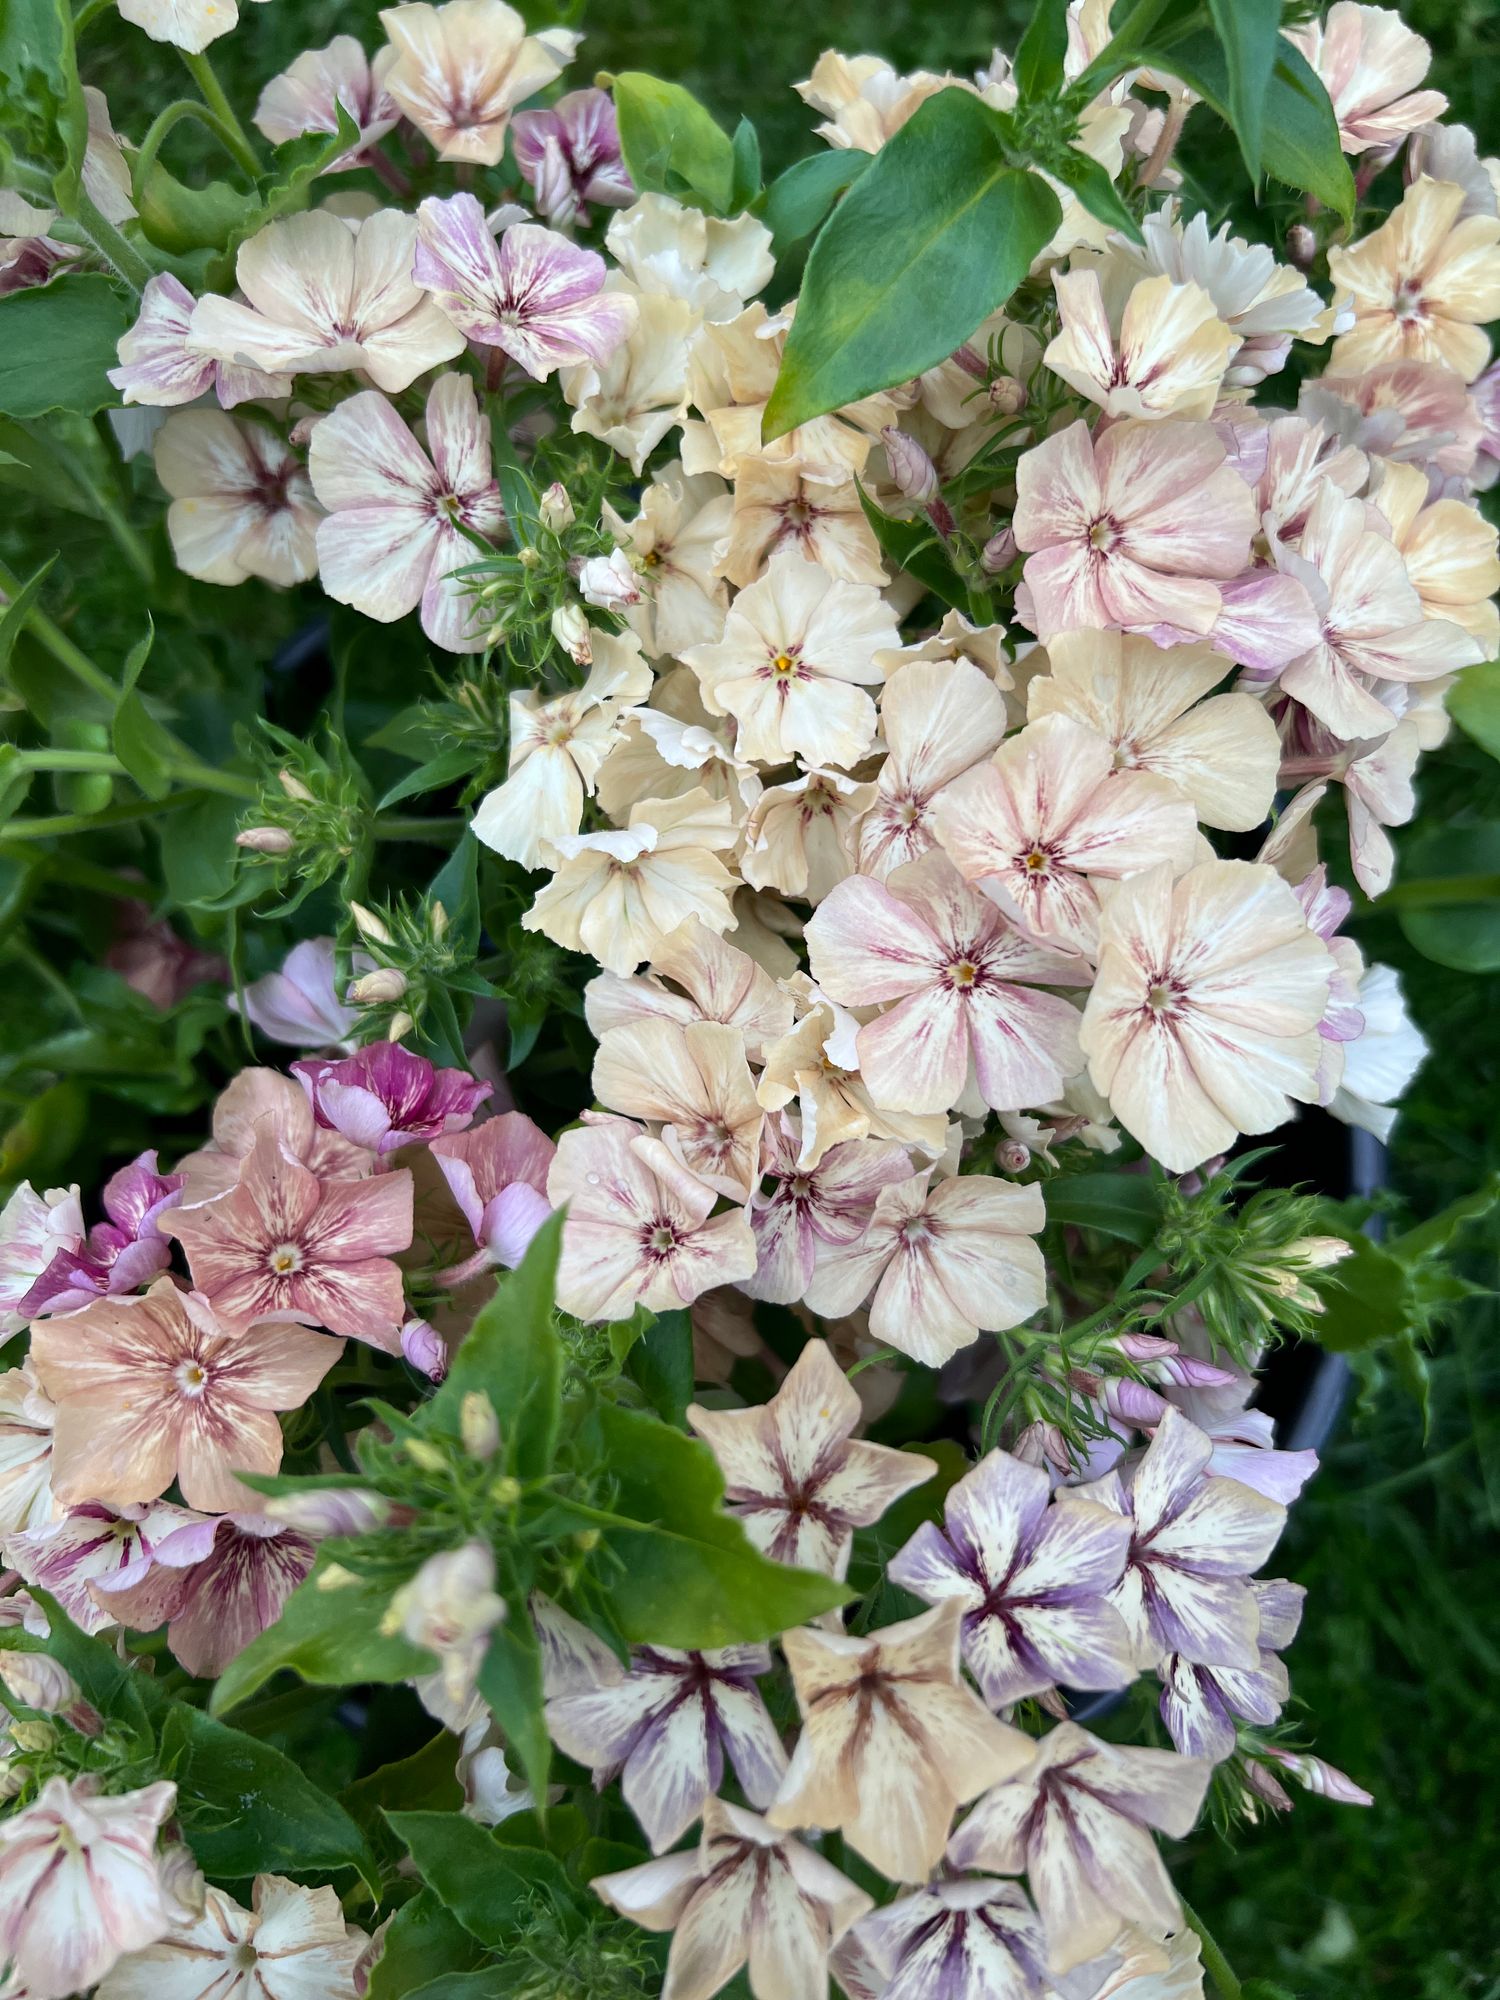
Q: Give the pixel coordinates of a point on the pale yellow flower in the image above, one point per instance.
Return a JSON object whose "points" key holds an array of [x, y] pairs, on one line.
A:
{"points": [[1423, 285], [461, 69], [1449, 550]]}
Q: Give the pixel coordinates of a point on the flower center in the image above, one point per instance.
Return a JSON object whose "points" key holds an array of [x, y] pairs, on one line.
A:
{"points": [[283, 1259], [1104, 535], [243, 1958], [963, 973], [1036, 862], [1163, 996], [784, 665], [659, 1238], [1409, 304], [192, 1377]]}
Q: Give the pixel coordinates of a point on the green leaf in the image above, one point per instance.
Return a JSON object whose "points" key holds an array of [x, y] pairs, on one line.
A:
{"points": [[746, 149], [425, 1781], [15, 782], [687, 1573], [118, 1692], [1439, 1230], [198, 854], [1094, 188], [670, 143], [180, 219], [140, 742], [56, 342], [1457, 867], [422, 1939], [13, 618], [797, 201], [1127, 1206], [40, 94], [933, 237], [512, 1354], [456, 887], [1250, 32], [510, 1680], [917, 547], [1367, 1299], [1474, 703], [1038, 68], [487, 1886], [660, 1363], [329, 1637], [444, 769]]}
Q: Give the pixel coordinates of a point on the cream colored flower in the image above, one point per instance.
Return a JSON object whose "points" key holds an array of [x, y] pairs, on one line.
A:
{"points": [[817, 1064], [1449, 550], [863, 99], [939, 718], [776, 506], [461, 69], [1424, 284], [1152, 348], [693, 1080], [715, 982], [292, 1944], [186, 24], [674, 746], [674, 542], [242, 503], [800, 837], [641, 391], [1371, 63], [716, 266], [1264, 304]]}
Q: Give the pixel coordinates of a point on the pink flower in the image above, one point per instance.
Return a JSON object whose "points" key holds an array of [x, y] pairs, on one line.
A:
{"points": [[385, 1097], [794, 1472], [461, 69], [641, 1228], [283, 1242], [90, 1543], [263, 1100], [158, 964], [309, 93], [399, 521], [299, 1003], [80, 1884], [33, 1230], [293, 1944], [118, 1256], [809, 1206], [215, 1585], [1370, 63], [535, 295], [155, 1389], [1048, 816], [1136, 528], [241, 502], [953, 968], [159, 368], [944, 1261], [25, 1453], [498, 1176], [570, 155]]}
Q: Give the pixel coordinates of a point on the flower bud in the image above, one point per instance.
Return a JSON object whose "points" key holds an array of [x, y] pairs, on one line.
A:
{"points": [[336, 1577], [1260, 1782], [182, 1881], [13, 1775], [34, 1738], [333, 1510], [423, 1452], [424, 1350], [1131, 1402], [437, 922], [1302, 246], [1314, 1775], [555, 508], [609, 582], [369, 925], [401, 1026], [1012, 1156], [1043, 1444], [529, 558], [571, 631], [1007, 397], [378, 988], [505, 1491], [265, 840], [478, 1426], [999, 552], [294, 788], [37, 1681], [1142, 1346], [912, 471]]}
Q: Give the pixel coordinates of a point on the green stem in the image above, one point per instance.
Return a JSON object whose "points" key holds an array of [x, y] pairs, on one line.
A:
{"points": [[437, 832], [69, 760], [201, 70], [113, 246], [88, 13], [56, 824], [185, 107], [61, 647], [1215, 1964], [127, 540], [80, 874], [1441, 892]]}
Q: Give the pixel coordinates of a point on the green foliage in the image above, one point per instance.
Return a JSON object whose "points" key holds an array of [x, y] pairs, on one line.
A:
{"points": [[672, 145], [1448, 898], [1474, 703], [45, 122], [57, 341]]}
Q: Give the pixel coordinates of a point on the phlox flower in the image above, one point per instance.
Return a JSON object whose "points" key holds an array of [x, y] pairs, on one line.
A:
{"points": [[639, 393], [1147, 702], [817, 1063], [1200, 1705], [1033, 1581], [215, 1585], [451, 1607], [1416, 411], [185, 24], [863, 99], [534, 295], [665, 1726], [156, 961], [80, 1884], [794, 1472], [1450, 553], [323, 298], [748, 1895], [556, 749], [461, 69], [674, 746], [619, 896], [1370, 63], [800, 837], [33, 1229], [1153, 348], [1381, 1062], [28, 256], [400, 519], [674, 544], [263, 1100], [959, 980], [570, 156], [1076, 1820], [976, 1939], [497, 1174], [88, 1544], [1136, 528], [1263, 303], [116, 1256], [291, 1944], [283, 1242], [945, 1262], [1424, 284], [1203, 1019], [298, 1003], [241, 502], [1289, 462], [938, 718], [695, 1082], [159, 366], [26, 1418], [892, 1740], [776, 507], [155, 1389], [640, 1226], [796, 646], [805, 1207], [716, 265], [308, 95], [384, 1097], [1048, 816], [711, 980]]}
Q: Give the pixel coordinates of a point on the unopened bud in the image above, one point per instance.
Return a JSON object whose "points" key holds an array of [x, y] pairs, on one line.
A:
{"points": [[378, 988], [336, 1577], [1043, 1444], [37, 1681], [587, 1540], [1302, 246], [33, 1738], [423, 1452], [265, 840], [555, 508], [505, 1492], [609, 582], [294, 788], [1129, 1401], [1264, 1786], [1007, 396], [182, 1880], [529, 558], [369, 925], [13, 1777], [571, 631], [437, 921], [1012, 1156], [401, 1026], [1323, 1778], [912, 471], [999, 552], [478, 1426], [333, 1510], [424, 1350], [1142, 1346]]}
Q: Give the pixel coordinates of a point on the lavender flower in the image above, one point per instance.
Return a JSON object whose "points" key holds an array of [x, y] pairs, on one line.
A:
{"points": [[972, 1940], [1200, 1705], [570, 155], [117, 1256], [299, 1004], [385, 1097]]}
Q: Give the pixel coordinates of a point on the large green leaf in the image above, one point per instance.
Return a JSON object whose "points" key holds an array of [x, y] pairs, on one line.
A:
{"points": [[329, 1637], [1041, 51], [42, 109], [1250, 31], [423, 1941], [1447, 896], [510, 1679], [933, 237], [513, 1356], [797, 201], [671, 144], [488, 1886], [56, 342], [1126, 1206], [1474, 703]]}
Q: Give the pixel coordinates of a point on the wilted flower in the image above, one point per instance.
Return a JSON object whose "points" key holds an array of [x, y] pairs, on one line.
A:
{"points": [[570, 155], [635, 398], [1202, 1705], [497, 1174], [292, 1944], [714, 264], [461, 69], [241, 502], [831, 1201], [384, 1097]]}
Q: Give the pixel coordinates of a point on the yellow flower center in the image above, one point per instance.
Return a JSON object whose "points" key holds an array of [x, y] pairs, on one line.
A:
{"points": [[284, 1259]]}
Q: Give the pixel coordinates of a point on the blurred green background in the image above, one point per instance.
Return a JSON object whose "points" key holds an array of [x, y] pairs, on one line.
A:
{"points": [[1399, 1659]]}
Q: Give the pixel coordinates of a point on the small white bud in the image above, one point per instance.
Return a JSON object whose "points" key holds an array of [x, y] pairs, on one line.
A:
{"points": [[37, 1681], [369, 925], [478, 1426], [556, 509], [401, 1026], [378, 988], [294, 788], [571, 631], [265, 840], [912, 471], [609, 581]]}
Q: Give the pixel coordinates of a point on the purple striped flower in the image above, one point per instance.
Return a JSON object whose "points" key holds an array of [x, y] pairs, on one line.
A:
{"points": [[1202, 1705], [383, 1096], [119, 1255], [90, 1544], [570, 155], [973, 1940]]}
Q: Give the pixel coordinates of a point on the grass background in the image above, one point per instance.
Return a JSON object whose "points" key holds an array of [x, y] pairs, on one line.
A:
{"points": [[1399, 1658]]}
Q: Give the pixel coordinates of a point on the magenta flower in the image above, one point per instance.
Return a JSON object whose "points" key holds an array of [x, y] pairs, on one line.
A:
{"points": [[398, 519], [570, 156], [117, 1256], [1033, 1580], [498, 1176], [281, 1242], [534, 294], [806, 1207], [666, 1725], [215, 1585], [384, 1097], [86, 1546]]}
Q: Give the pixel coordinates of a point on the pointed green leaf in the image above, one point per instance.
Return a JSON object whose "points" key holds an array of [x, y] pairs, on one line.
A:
{"points": [[512, 1354], [1474, 703], [57, 341], [510, 1680], [671, 144], [797, 201], [1250, 32], [487, 1886], [1038, 71], [13, 618]]}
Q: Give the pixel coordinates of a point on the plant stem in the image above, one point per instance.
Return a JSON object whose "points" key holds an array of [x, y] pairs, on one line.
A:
{"points": [[1215, 1964], [1441, 892], [61, 647], [113, 246], [88, 13], [396, 826], [81, 874], [68, 760], [201, 70], [161, 125], [56, 824]]}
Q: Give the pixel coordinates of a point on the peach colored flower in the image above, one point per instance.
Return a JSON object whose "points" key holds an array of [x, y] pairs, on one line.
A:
{"points": [[1050, 814], [155, 1389], [945, 1261], [292, 1944], [1146, 701], [1449, 550], [892, 1740], [1370, 63], [461, 69], [241, 502], [817, 1064], [717, 982], [938, 719], [776, 507], [1203, 1019], [324, 298], [1153, 348], [800, 836], [1263, 303], [864, 100], [1424, 284], [694, 1082], [264, 1098], [308, 95], [283, 1242], [674, 543], [1136, 528]]}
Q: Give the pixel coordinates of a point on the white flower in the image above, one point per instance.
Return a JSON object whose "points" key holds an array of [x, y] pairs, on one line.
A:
{"points": [[1381, 1062], [292, 1944]]}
